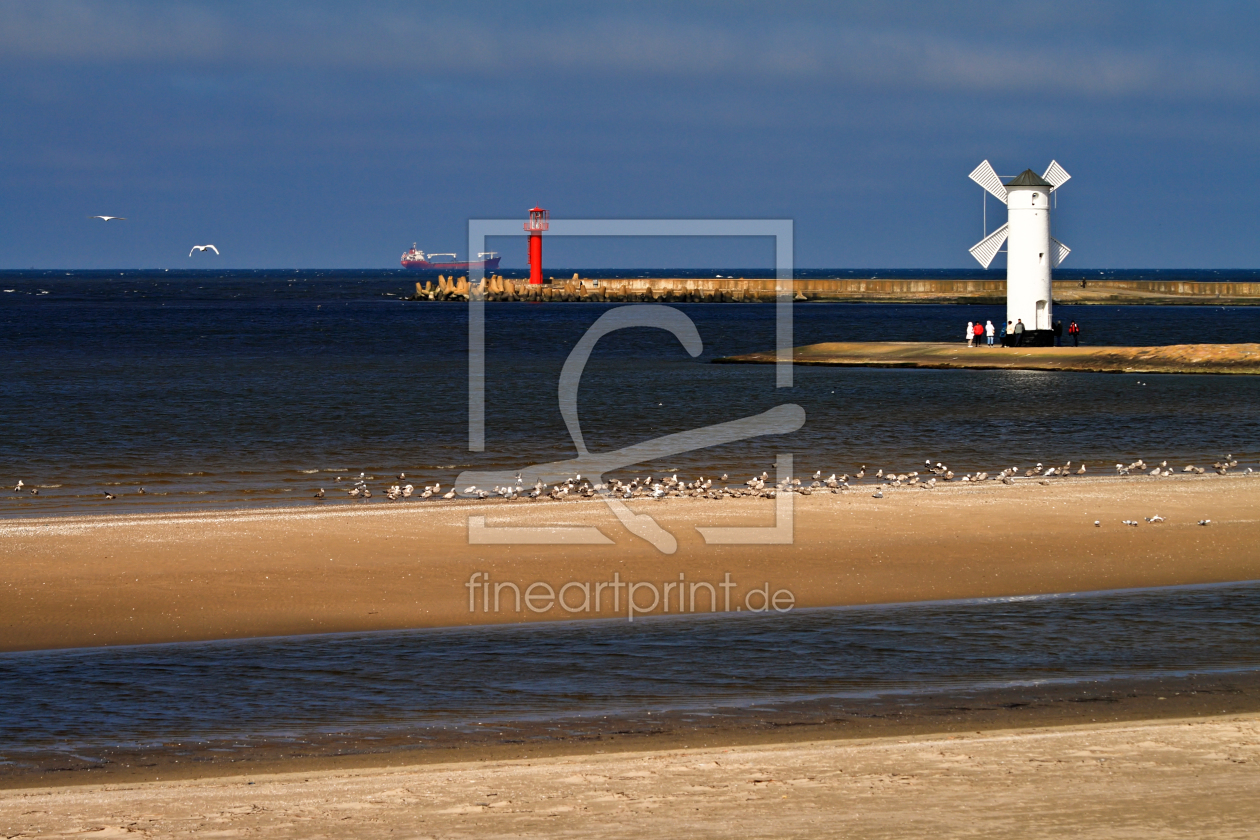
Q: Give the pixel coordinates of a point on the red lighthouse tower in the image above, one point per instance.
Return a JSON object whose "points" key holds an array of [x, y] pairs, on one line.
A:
{"points": [[539, 220]]}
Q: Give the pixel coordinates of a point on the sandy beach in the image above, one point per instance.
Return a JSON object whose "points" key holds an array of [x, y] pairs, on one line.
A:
{"points": [[1193, 777], [111, 580]]}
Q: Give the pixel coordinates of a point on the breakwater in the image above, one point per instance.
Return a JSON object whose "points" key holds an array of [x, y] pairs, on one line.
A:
{"points": [[578, 289], [764, 290]]}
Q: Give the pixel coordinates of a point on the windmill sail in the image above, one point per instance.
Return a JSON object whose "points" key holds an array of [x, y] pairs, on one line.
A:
{"points": [[987, 178], [986, 249], [1059, 253], [1056, 175]]}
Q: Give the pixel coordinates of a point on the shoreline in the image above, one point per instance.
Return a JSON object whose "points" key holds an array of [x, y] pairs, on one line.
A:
{"points": [[87, 581], [653, 620]]}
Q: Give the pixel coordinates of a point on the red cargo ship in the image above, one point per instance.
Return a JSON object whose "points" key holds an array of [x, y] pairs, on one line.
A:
{"points": [[487, 261]]}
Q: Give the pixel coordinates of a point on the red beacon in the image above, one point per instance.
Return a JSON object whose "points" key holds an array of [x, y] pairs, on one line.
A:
{"points": [[539, 220]]}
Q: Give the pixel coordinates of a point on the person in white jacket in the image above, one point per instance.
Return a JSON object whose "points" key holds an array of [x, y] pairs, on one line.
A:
{"points": [[989, 332], [971, 335]]}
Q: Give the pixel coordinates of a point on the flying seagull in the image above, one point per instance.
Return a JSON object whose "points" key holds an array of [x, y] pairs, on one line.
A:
{"points": [[109, 218], [203, 248]]}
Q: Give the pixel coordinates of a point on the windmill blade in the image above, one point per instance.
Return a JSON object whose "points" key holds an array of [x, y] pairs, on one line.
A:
{"points": [[1059, 251], [987, 178], [986, 249], [1056, 175]]}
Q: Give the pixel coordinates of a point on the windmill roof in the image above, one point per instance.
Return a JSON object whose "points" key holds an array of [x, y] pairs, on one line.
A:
{"points": [[1028, 178]]}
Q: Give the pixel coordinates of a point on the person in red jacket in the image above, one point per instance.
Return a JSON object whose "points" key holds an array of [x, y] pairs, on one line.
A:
{"points": [[1074, 330], [978, 330]]}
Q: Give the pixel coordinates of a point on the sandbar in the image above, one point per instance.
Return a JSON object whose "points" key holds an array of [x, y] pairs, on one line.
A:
{"points": [[135, 579]]}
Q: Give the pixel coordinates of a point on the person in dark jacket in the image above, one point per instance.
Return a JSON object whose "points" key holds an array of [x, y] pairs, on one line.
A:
{"points": [[1019, 333], [1058, 331]]}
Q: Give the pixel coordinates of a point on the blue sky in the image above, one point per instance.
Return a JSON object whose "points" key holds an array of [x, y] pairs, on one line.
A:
{"points": [[319, 134]]}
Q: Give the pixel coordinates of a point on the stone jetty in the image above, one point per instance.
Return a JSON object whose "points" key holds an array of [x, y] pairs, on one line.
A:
{"points": [[577, 289], [763, 290]]}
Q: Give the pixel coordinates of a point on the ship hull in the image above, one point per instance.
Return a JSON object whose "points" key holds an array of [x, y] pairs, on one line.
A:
{"points": [[468, 265]]}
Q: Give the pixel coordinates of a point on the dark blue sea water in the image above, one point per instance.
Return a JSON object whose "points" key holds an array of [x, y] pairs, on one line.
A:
{"points": [[78, 702], [257, 387]]}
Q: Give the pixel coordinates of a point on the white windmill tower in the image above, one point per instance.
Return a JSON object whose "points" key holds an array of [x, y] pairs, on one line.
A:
{"points": [[1032, 252]]}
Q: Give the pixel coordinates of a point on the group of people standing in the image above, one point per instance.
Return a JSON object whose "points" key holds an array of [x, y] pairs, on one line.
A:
{"points": [[978, 332], [1012, 335]]}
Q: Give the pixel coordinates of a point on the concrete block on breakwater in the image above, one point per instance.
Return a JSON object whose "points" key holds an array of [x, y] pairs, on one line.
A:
{"points": [[1175, 358]]}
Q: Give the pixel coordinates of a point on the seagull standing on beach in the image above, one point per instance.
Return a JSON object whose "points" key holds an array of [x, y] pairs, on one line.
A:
{"points": [[203, 248]]}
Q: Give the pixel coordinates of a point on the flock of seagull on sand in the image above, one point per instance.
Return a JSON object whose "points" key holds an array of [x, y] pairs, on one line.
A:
{"points": [[762, 486], [759, 486], [195, 248]]}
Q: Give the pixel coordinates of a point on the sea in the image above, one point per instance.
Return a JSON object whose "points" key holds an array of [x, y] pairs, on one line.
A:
{"points": [[220, 390], [247, 389]]}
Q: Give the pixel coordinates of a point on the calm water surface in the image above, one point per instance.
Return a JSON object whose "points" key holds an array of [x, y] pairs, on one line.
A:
{"points": [[374, 684]]}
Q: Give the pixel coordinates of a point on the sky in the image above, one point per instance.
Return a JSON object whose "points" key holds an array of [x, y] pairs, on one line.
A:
{"points": [[334, 135]]}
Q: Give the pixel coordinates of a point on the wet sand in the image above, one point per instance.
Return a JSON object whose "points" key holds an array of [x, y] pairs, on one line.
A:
{"points": [[109, 580], [1175, 358], [1192, 777]]}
